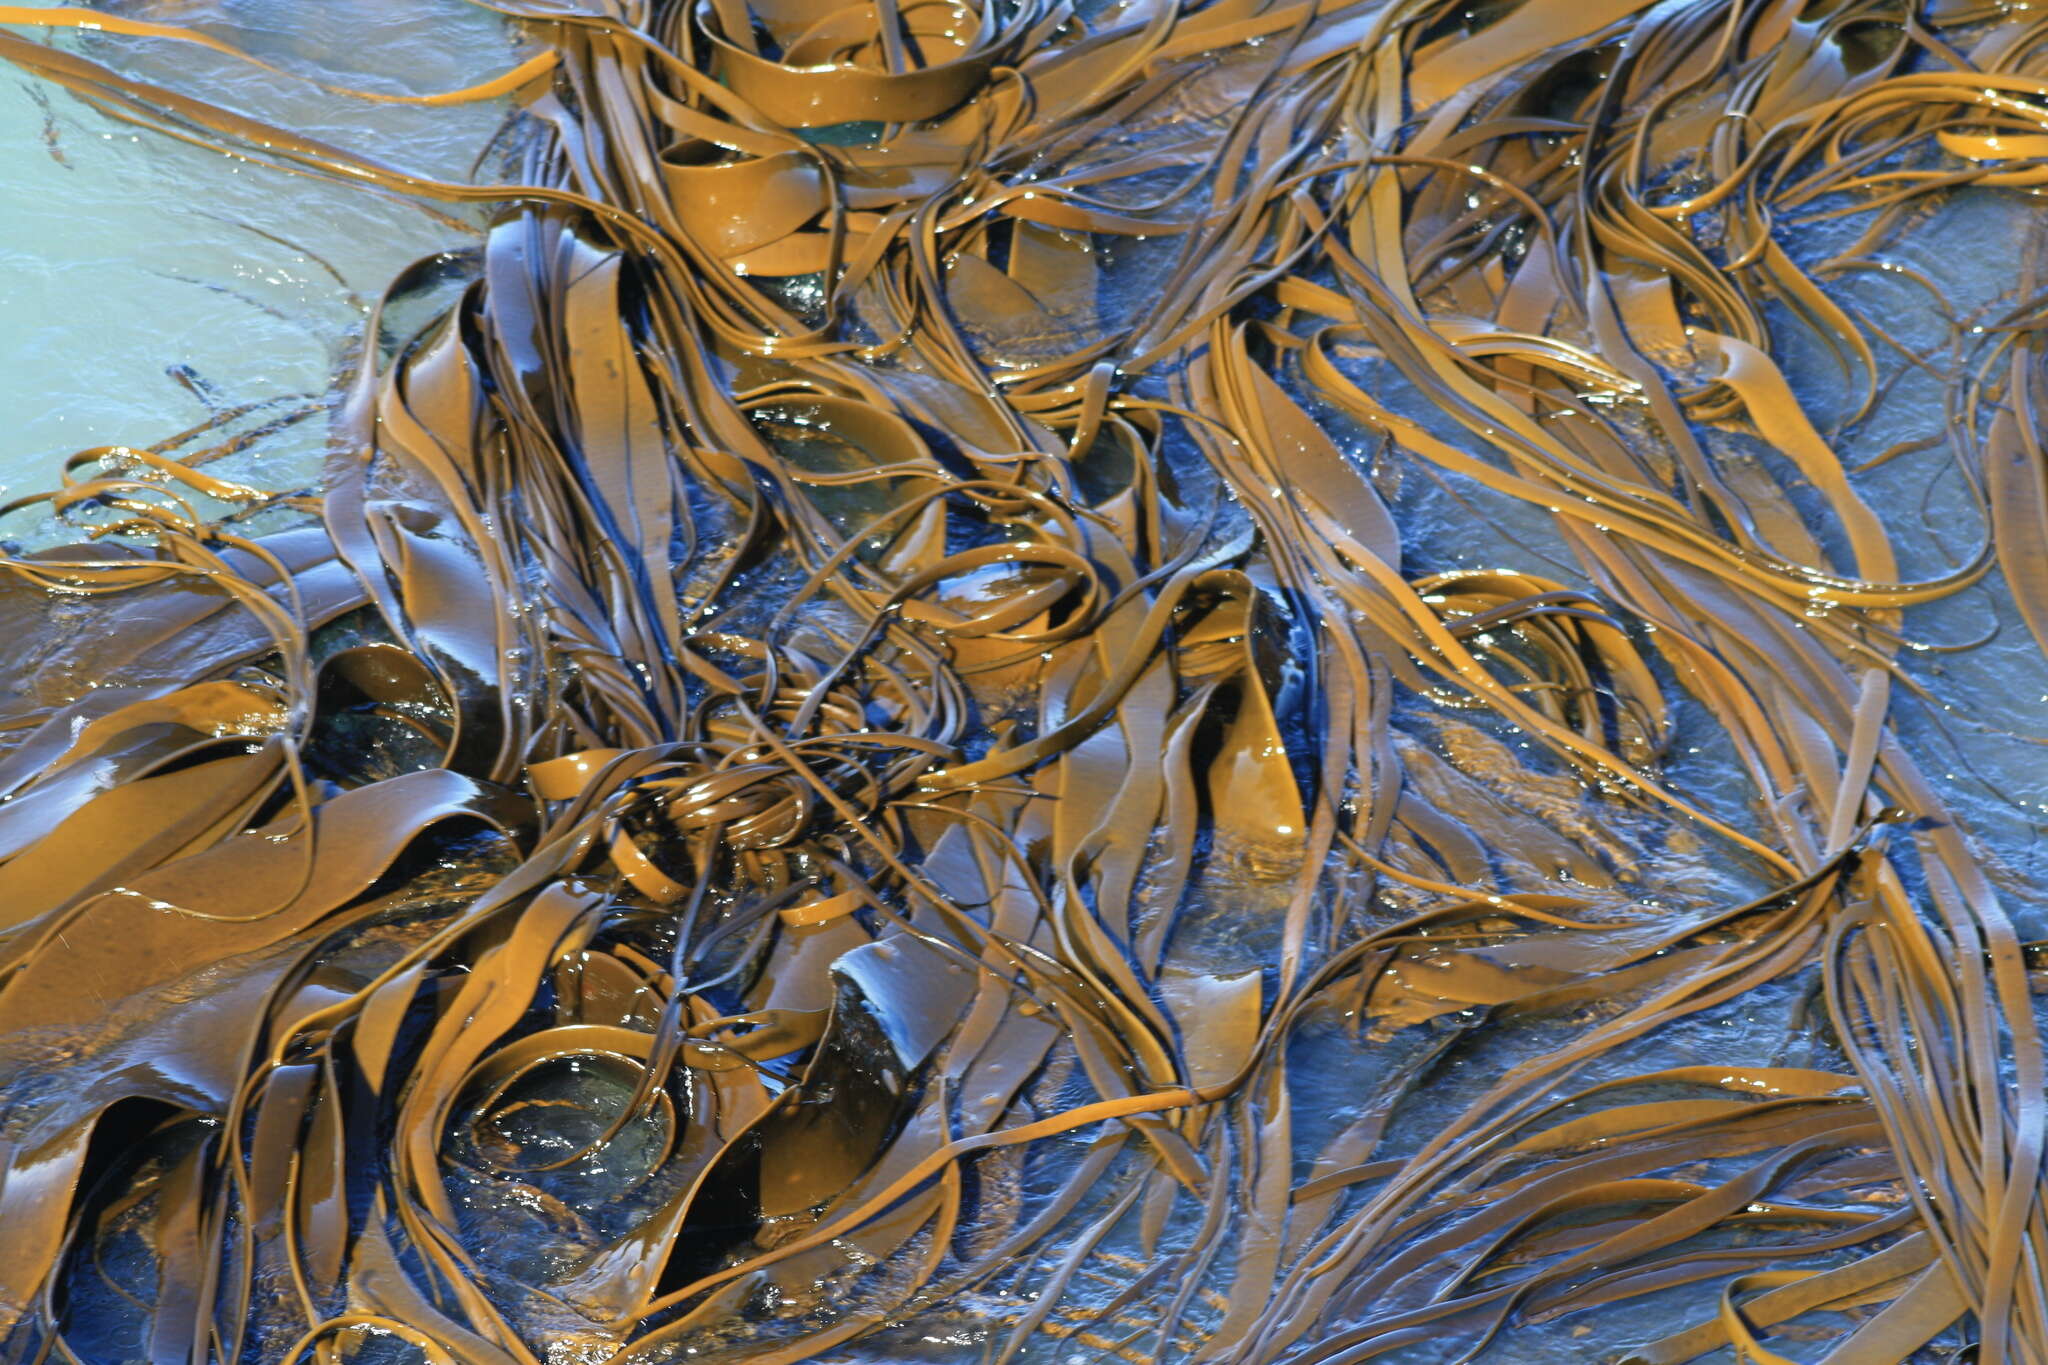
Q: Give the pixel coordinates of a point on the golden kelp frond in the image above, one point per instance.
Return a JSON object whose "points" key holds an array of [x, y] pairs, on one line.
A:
{"points": [[1180, 681]]}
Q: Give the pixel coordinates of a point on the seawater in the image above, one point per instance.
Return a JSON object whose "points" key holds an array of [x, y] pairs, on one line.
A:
{"points": [[146, 283]]}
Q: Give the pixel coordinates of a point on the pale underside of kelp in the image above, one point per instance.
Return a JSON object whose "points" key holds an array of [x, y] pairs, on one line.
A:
{"points": [[870, 748]]}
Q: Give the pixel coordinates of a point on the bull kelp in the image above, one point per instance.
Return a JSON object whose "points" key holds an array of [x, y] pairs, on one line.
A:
{"points": [[1152, 681]]}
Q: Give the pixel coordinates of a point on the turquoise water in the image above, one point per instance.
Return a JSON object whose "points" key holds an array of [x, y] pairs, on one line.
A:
{"points": [[145, 284]]}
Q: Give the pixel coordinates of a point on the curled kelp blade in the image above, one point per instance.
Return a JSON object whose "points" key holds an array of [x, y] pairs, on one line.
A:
{"points": [[902, 754]]}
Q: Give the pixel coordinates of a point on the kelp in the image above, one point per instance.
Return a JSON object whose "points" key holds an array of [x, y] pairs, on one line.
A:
{"points": [[855, 759]]}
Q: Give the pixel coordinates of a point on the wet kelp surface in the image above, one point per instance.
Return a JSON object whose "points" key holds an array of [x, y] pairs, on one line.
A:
{"points": [[1147, 681]]}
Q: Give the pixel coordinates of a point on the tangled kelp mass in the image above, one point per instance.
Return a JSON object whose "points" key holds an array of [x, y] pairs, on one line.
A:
{"points": [[1233, 681]]}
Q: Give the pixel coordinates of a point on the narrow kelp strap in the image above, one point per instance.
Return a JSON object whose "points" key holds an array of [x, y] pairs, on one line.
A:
{"points": [[99, 21]]}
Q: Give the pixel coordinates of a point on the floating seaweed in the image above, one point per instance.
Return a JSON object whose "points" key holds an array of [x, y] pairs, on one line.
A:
{"points": [[859, 757]]}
